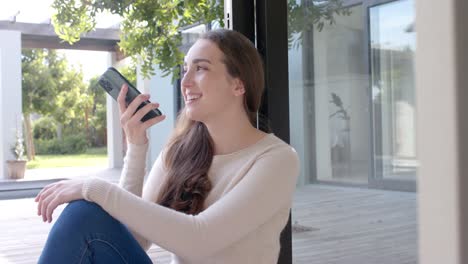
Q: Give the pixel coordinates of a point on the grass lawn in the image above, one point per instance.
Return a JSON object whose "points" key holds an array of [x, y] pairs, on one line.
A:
{"points": [[92, 157]]}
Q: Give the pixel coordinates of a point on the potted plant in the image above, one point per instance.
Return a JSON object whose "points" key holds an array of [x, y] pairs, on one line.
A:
{"points": [[17, 167], [341, 148]]}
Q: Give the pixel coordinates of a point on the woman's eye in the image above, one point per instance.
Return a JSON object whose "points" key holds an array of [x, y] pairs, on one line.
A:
{"points": [[197, 68]]}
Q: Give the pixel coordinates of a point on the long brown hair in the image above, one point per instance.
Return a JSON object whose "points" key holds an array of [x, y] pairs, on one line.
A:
{"points": [[190, 149]]}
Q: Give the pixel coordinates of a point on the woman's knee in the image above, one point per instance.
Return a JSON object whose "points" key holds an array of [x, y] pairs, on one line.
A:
{"points": [[79, 223], [84, 208], [81, 216]]}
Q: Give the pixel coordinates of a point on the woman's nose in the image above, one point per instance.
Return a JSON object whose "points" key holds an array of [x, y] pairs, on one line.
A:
{"points": [[187, 79]]}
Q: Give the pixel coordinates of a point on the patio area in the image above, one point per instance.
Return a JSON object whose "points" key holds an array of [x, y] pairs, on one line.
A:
{"points": [[330, 225]]}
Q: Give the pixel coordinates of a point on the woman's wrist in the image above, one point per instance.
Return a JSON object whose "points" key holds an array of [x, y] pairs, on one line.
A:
{"points": [[140, 141], [85, 189], [137, 149], [94, 187]]}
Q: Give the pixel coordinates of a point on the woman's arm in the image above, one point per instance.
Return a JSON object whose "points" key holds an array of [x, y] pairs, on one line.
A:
{"points": [[267, 187], [132, 178], [134, 169], [132, 181]]}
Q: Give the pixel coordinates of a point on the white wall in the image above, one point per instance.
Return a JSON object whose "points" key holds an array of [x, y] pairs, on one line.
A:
{"points": [[10, 93], [442, 129]]}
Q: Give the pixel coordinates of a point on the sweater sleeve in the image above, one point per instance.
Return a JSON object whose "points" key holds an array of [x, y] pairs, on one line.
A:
{"points": [[267, 187], [132, 179], [134, 169], [151, 189]]}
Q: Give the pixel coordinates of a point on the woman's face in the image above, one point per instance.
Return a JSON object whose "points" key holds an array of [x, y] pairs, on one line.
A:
{"points": [[208, 89]]}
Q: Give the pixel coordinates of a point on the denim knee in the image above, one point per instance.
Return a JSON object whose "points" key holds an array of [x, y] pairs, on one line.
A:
{"points": [[82, 217], [86, 233], [84, 209]]}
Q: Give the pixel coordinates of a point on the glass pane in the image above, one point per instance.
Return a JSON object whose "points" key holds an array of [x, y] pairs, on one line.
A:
{"points": [[340, 122], [331, 78], [392, 39], [341, 100]]}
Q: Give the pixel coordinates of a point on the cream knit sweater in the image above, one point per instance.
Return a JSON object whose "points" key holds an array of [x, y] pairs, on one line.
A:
{"points": [[244, 213]]}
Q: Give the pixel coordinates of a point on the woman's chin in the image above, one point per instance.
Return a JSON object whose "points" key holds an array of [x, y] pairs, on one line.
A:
{"points": [[192, 115]]}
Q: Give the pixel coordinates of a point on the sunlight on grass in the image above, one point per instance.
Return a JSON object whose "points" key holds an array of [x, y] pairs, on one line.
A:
{"points": [[92, 157]]}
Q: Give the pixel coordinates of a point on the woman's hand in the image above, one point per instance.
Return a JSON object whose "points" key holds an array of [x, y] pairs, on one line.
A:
{"points": [[135, 130], [56, 194]]}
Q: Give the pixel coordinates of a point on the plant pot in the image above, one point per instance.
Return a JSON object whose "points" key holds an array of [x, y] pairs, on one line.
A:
{"points": [[16, 169]]}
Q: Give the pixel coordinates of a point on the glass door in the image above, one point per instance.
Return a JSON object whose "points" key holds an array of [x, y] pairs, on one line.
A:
{"points": [[392, 49], [335, 81]]}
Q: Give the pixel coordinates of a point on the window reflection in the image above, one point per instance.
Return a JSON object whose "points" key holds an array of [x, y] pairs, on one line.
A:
{"points": [[392, 40]]}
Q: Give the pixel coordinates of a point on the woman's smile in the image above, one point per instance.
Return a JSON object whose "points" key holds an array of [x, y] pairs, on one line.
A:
{"points": [[191, 98]]}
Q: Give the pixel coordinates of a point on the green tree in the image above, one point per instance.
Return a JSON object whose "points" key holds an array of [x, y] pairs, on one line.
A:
{"points": [[97, 116], [150, 28], [71, 101], [50, 88], [129, 71], [40, 70]]}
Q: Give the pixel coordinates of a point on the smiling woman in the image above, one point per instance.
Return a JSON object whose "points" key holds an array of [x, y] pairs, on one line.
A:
{"points": [[219, 192]]}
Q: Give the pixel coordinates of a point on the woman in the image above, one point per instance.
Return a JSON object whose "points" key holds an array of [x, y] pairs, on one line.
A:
{"points": [[219, 192]]}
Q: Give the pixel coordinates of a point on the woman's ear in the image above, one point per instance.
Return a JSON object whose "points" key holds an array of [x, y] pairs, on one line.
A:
{"points": [[239, 88]]}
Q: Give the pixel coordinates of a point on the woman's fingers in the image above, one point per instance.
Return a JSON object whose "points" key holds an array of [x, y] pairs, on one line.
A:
{"points": [[46, 192], [130, 118], [56, 194], [133, 106], [38, 196], [151, 122], [143, 111], [45, 204], [51, 206]]}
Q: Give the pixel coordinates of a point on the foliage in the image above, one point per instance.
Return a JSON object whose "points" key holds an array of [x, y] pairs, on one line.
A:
{"points": [[50, 87], [96, 92], [70, 144], [44, 128], [71, 100], [150, 28], [67, 105], [129, 71], [41, 70], [97, 117], [304, 16]]}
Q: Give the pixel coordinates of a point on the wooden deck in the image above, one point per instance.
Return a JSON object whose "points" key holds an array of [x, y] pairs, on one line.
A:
{"points": [[354, 226], [331, 225]]}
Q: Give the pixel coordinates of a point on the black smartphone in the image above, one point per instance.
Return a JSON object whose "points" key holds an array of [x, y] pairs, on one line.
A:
{"points": [[112, 80]]}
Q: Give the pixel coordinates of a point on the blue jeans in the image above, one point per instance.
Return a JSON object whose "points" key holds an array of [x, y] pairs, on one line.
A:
{"points": [[85, 233]]}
